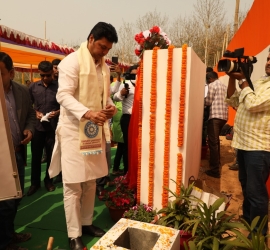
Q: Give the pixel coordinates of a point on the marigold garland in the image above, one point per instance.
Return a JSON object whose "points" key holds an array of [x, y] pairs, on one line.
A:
{"points": [[182, 96], [179, 173], [165, 194], [140, 133], [152, 124]]}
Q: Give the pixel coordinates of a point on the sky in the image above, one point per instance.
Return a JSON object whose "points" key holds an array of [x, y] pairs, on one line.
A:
{"points": [[70, 21]]}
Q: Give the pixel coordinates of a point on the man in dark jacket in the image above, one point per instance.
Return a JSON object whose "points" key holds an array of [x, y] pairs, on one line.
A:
{"points": [[22, 122]]}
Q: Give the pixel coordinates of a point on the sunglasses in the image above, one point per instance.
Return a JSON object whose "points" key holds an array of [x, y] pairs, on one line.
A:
{"points": [[43, 75]]}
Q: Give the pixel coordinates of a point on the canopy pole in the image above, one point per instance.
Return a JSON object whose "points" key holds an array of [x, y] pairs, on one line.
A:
{"points": [[22, 78], [31, 73]]}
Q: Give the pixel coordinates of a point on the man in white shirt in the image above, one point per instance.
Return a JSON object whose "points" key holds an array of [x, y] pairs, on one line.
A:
{"points": [[86, 106], [126, 96]]}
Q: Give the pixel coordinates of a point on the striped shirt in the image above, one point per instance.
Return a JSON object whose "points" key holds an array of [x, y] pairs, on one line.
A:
{"points": [[215, 99], [252, 120]]}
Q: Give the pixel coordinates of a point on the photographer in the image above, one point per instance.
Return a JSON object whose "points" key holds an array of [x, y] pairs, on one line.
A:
{"points": [[126, 96], [251, 139]]}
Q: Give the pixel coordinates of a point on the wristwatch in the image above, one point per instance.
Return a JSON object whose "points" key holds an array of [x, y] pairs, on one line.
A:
{"points": [[241, 81]]}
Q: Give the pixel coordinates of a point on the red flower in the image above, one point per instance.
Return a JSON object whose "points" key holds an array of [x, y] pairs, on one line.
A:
{"points": [[155, 29]]}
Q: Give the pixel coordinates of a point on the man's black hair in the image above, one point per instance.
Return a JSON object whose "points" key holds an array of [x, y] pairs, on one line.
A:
{"points": [[212, 75], [56, 61], [45, 66], [135, 66], [209, 69], [6, 59], [106, 30]]}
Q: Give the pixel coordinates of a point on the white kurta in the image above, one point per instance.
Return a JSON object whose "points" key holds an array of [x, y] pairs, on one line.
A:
{"points": [[66, 156]]}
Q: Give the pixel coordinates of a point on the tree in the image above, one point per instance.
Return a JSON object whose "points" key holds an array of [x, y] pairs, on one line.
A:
{"points": [[124, 49], [151, 19], [209, 15]]}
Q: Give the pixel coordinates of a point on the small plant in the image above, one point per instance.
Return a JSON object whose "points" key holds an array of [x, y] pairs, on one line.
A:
{"points": [[257, 239], [179, 210], [141, 212], [212, 229], [121, 197]]}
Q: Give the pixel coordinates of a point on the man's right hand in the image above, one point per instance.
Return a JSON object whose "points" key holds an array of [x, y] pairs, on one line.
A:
{"points": [[38, 115], [98, 118], [236, 75], [124, 92]]}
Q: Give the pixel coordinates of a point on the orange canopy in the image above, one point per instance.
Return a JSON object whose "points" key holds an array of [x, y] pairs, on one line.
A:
{"points": [[28, 50]]}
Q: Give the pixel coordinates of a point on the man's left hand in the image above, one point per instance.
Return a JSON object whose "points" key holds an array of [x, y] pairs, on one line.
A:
{"points": [[54, 114], [28, 136], [108, 111]]}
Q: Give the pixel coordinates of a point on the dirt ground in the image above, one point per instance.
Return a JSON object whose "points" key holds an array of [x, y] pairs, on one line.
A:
{"points": [[228, 182]]}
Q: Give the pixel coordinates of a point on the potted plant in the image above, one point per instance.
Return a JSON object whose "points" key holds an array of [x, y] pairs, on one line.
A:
{"points": [[119, 199], [255, 239], [179, 211], [142, 213], [212, 229]]}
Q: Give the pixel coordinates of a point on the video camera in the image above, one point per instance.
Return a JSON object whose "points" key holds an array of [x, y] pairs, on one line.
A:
{"points": [[244, 63], [129, 76]]}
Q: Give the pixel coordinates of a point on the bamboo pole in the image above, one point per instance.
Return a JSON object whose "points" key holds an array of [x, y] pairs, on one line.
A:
{"points": [[236, 18]]}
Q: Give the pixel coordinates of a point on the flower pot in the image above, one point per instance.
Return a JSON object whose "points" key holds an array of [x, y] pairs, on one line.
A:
{"points": [[184, 237], [116, 213]]}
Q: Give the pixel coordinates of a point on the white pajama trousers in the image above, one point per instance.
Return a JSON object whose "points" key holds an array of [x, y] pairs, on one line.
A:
{"points": [[79, 201]]}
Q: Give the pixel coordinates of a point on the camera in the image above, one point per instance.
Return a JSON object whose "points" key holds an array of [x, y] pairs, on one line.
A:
{"points": [[242, 62], [129, 76]]}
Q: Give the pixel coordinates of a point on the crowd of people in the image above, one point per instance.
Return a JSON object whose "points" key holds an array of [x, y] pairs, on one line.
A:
{"points": [[68, 114]]}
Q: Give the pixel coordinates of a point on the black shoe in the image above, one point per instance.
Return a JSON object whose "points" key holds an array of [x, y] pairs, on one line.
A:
{"points": [[234, 167], [33, 189], [212, 173], [76, 244], [49, 186], [21, 237], [58, 179], [99, 190], [93, 231]]}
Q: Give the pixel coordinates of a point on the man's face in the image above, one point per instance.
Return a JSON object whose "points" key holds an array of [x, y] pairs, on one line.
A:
{"points": [[99, 48], [55, 72], [209, 80], [46, 77], [267, 65], [6, 75]]}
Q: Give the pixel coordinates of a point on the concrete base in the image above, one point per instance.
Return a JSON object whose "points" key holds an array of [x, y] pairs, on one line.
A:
{"points": [[135, 235]]}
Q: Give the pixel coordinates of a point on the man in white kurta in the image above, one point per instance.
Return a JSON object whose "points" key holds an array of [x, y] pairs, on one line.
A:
{"points": [[81, 169]]}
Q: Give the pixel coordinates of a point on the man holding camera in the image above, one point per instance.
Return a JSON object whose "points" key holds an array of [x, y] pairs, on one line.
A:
{"points": [[251, 139], [218, 115], [126, 96]]}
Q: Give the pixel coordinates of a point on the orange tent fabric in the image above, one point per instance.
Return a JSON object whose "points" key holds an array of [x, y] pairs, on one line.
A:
{"points": [[252, 35], [23, 55], [28, 50]]}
